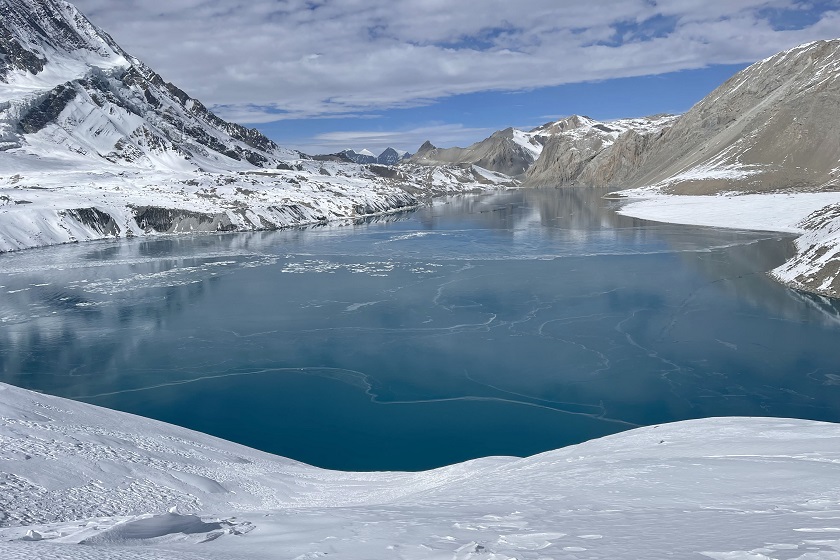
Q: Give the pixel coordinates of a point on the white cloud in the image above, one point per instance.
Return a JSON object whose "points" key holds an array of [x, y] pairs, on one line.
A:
{"points": [[265, 60]]}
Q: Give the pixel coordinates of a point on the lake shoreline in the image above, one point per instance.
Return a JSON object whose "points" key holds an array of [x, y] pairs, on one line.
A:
{"points": [[813, 216]]}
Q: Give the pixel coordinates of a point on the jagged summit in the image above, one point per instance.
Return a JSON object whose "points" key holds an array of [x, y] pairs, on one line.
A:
{"points": [[427, 146], [389, 156], [69, 92]]}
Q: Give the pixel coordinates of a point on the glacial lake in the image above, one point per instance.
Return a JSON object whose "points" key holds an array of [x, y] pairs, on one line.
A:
{"points": [[504, 324]]}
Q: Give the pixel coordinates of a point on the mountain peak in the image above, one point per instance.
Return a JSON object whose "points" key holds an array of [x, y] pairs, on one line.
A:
{"points": [[426, 147]]}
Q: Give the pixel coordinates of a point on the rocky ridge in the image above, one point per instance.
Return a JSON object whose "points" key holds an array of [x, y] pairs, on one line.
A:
{"points": [[389, 156], [573, 150], [508, 151]]}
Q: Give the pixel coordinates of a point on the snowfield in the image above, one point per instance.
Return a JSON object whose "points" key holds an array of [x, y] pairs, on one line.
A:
{"points": [[81, 482], [815, 216]]}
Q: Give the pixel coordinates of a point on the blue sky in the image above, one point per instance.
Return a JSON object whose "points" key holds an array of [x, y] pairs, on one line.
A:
{"points": [[463, 119], [323, 75]]}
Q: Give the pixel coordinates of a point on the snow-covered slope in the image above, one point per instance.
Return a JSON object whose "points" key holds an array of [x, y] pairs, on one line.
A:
{"points": [[45, 203], [93, 144], [127, 487], [68, 91], [816, 266]]}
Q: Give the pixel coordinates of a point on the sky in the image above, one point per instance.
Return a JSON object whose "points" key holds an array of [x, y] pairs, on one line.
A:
{"points": [[324, 75]]}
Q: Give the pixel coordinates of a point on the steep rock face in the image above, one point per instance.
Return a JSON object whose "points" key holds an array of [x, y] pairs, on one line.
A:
{"points": [[391, 156], [506, 151], [771, 126], [582, 151], [36, 35], [68, 91], [622, 159], [361, 158]]}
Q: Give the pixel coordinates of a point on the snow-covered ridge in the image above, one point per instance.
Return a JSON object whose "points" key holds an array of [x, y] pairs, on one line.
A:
{"points": [[578, 150], [577, 126], [816, 266], [389, 156], [129, 487]]}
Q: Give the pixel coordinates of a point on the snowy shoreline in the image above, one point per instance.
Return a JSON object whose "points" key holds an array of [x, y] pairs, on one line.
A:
{"points": [[52, 207], [814, 216], [128, 487]]}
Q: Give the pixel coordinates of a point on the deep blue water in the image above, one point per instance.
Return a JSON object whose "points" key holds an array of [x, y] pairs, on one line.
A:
{"points": [[496, 325]]}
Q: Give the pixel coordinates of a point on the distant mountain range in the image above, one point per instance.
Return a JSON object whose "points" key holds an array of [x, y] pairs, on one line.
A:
{"points": [[389, 156], [565, 151]]}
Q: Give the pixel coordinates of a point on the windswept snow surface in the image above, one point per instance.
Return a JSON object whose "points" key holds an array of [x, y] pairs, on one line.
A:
{"points": [[81, 482], [815, 216]]}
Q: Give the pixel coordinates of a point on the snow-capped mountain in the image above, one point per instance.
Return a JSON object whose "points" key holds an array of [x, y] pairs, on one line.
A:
{"points": [[363, 157], [582, 151], [70, 91], [389, 156], [392, 156]]}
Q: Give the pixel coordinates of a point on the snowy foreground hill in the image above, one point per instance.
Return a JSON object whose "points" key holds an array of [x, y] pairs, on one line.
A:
{"points": [[78, 481], [94, 143]]}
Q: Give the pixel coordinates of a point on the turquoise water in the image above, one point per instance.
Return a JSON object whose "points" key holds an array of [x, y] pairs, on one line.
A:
{"points": [[490, 325]]}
